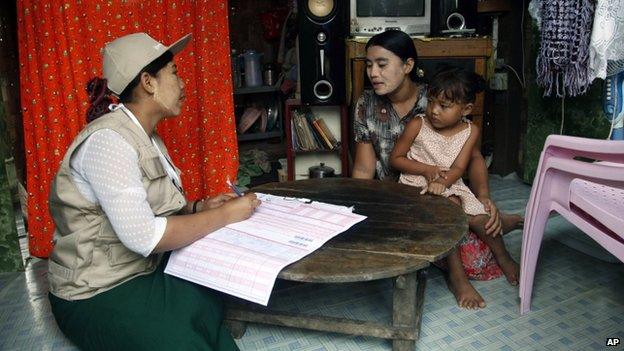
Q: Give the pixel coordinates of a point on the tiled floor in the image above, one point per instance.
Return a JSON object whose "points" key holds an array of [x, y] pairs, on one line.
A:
{"points": [[578, 303]]}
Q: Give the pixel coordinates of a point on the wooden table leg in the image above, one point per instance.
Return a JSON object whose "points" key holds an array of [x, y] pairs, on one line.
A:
{"points": [[407, 303], [408, 297]]}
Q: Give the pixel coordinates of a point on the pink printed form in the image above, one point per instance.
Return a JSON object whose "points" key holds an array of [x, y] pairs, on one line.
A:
{"points": [[244, 258]]}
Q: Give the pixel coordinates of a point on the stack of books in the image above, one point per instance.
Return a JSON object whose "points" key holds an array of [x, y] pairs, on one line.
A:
{"points": [[310, 133]]}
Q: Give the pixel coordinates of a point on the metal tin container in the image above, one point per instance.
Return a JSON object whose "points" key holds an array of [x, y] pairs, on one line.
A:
{"points": [[321, 171]]}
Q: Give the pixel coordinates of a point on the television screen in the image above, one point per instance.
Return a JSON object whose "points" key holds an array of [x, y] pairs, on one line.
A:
{"points": [[391, 8]]}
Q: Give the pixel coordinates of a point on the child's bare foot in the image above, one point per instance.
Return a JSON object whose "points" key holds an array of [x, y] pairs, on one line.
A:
{"points": [[510, 268], [465, 293], [511, 222]]}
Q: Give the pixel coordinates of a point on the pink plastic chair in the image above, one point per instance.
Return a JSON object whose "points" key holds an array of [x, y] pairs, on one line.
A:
{"points": [[588, 194]]}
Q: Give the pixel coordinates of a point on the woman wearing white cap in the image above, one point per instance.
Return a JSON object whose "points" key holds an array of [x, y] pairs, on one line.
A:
{"points": [[118, 203]]}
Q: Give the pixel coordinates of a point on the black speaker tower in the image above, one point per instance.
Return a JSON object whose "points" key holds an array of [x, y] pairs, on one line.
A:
{"points": [[323, 28]]}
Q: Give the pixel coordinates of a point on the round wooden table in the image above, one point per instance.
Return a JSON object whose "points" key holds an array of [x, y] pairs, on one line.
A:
{"points": [[403, 233]]}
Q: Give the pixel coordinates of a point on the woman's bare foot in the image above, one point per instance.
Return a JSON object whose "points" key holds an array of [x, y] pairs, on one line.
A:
{"points": [[510, 268], [511, 222], [465, 293]]}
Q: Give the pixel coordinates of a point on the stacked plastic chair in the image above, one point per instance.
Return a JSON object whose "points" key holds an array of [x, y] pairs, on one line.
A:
{"points": [[582, 180]]}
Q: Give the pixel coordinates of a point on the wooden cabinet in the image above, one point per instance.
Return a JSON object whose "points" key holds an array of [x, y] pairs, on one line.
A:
{"points": [[299, 161], [471, 53]]}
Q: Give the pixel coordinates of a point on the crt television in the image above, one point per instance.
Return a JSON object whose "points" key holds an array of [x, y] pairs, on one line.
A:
{"points": [[369, 17]]}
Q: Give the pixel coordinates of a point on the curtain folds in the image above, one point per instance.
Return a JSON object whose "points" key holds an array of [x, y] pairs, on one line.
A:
{"points": [[59, 51]]}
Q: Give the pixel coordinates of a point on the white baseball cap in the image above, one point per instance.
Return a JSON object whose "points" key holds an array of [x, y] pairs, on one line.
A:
{"points": [[125, 57]]}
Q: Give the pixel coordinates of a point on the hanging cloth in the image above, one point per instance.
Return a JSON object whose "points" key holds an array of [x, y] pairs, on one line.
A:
{"points": [[563, 58], [606, 52], [606, 60]]}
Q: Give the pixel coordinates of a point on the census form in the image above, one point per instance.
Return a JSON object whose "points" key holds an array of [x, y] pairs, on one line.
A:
{"points": [[243, 259]]}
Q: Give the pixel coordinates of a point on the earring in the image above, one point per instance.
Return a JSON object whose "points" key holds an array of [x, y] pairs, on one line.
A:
{"points": [[420, 72]]}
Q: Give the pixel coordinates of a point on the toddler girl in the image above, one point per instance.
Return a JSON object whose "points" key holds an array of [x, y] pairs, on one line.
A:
{"points": [[433, 153]]}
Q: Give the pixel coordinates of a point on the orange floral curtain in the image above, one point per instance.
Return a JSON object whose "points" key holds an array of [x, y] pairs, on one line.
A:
{"points": [[59, 51]]}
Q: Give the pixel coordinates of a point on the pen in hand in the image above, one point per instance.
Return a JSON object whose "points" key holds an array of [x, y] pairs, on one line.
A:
{"points": [[234, 188]]}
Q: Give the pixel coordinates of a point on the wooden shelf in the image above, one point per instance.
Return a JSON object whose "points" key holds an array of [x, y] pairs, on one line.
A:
{"points": [[490, 6], [266, 97], [323, 151], [336, 158], [432, 47]]}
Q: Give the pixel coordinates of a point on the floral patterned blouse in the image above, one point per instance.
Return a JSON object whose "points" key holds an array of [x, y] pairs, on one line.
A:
{"points": [[375, 121]]}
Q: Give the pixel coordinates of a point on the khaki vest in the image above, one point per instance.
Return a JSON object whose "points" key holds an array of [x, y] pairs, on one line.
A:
{"points": [[88, 257]]}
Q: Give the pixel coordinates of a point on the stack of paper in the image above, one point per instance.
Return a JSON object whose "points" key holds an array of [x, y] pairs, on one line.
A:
{"points": [[244, 258]]}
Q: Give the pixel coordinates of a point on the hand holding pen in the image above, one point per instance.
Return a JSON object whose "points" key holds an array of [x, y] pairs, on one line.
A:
{"points": [[241, 207], [234, 188]]}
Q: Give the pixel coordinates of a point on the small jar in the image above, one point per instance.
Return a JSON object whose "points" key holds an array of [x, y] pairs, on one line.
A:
{"points": [[269, 74]]}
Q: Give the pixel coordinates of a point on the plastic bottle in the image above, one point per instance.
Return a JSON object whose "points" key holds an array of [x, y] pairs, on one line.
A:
{"points": [[253, 71]]}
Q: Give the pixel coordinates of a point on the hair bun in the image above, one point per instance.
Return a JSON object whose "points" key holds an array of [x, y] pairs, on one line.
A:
{"points": [[98, 98], [96, 88]]}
